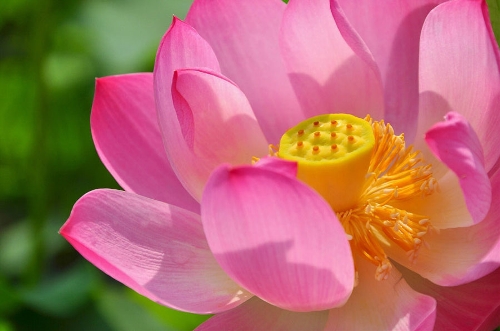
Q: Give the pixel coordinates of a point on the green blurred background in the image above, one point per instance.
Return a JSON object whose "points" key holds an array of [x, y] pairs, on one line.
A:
{"points": [[50, 53]]}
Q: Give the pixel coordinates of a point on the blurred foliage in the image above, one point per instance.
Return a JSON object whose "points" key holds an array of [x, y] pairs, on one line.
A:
{"points": [[50, 53], [494, 8]]}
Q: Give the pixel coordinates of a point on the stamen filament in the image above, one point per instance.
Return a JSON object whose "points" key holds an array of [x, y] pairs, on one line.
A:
{"points": [[364, 187]]}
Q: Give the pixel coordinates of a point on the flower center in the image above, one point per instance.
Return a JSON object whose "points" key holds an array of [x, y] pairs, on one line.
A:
{"points": [[333, 152], [362, 169]]}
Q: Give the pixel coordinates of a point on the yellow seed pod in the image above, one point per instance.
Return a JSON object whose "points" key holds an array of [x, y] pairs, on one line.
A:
{"points": [[333, 154]]}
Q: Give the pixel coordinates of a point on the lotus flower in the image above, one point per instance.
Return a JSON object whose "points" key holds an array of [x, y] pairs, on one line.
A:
{"points": [[239, 202]]}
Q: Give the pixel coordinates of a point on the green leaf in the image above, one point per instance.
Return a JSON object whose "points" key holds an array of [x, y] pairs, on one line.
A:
{"points": [[15, 247], [180, 320], [9, 299], [123, 314], [16, 243], [64, 294], [494, 9], [122, 33], [5, 326]]}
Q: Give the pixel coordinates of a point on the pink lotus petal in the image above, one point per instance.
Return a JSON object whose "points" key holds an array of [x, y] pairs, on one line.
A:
{"points": [[245, 37], [181, 47], [156, 249], [473, 306], [391, 30], [383, 305], [455, 144], [257, 315], [461, 255], [277, 238], [327, 75], [281, 166], [460, 71], [269, 253], [128, 139], [217, 124], [459, 174]]}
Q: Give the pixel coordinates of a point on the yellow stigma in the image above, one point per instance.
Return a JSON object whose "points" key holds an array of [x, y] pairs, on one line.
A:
{"points": [[333, 152], [362, 169]]}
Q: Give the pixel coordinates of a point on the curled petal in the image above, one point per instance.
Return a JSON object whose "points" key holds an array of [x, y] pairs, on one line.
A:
{"points": [[128, 139], [181, 47], [462, 194], [156, 249], [284, 167], [277, 238], [456, 144], [456, 256], [245, 37], [327, 75], [217, 124], [460, 71]]}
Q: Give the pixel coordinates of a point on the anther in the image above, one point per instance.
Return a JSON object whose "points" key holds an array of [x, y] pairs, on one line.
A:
{"points": [[431, 185], [370, 174], [391, 130], [390, 173], [406, 227], [423, 221]]}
